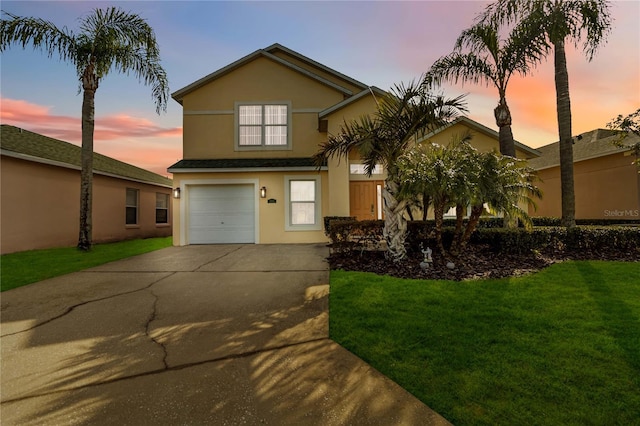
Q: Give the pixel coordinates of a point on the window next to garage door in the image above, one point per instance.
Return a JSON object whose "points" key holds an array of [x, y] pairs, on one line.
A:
{"points": [[132, 207], [263, 126], [162, 208], [302, 203]]}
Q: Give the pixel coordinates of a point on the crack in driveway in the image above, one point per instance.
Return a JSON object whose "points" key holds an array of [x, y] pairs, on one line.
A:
{"points": [[151, 318], [167, 368], [216, 259], [71, 308]]}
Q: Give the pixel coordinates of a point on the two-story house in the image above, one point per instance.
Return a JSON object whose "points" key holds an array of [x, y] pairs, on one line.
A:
{"points": [[250, 131]]}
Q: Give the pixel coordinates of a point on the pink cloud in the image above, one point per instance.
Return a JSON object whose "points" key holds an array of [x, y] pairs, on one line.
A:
{"points": [[134, 140], [38, 118]]}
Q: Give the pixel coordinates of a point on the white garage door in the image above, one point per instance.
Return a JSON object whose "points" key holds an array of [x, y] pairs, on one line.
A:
{"points": [[221, 214]]}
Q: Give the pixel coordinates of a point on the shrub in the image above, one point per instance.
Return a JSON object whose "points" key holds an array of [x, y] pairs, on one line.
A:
{"points": [[588, 239], [329, 219], [555, 221], [347, 235]]}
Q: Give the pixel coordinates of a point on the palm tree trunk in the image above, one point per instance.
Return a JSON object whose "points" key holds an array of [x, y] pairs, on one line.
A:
{"points": [[457, 234], [563, 106], [474, 219], [438, 212], [395, 224], [90, 84], [426, 200], [505, 135]]}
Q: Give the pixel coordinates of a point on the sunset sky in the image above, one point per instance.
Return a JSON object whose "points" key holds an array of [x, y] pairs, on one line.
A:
{"points": [[378, 43]]}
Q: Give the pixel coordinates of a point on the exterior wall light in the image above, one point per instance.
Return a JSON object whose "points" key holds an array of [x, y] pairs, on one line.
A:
{"points": [[176, 193], [263, 192]]}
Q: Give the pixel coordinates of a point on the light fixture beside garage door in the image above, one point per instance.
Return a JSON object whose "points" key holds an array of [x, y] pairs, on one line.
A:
{"points": [[263, 192], [176, 193]]}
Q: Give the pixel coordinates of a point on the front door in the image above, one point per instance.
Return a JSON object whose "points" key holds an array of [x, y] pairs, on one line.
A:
{"points": [[365, 199]]}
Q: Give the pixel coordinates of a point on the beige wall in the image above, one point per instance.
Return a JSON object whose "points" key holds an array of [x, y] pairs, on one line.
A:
{"points": [[209, 128], [40, 207], [605, 188], [271, 217], [480, 141], [339, 176]]}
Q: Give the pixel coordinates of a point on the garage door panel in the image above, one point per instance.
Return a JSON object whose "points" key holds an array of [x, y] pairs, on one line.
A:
{"points": [[220, 214]]}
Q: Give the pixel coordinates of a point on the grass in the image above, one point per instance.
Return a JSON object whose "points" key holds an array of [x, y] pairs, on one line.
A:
{"points": [[561, 346], [27, 267]]}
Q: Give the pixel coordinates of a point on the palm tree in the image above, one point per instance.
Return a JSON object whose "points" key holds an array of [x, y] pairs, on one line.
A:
{"points": [[560, 21], [402, 117], [108, 40], [490, 60]]}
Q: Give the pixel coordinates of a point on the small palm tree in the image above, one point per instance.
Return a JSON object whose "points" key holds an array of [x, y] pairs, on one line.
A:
{"points": [[459, 175], [503, 184], [109, 40], [402, 117], [438, 171], [560, 21], [488, 59]]}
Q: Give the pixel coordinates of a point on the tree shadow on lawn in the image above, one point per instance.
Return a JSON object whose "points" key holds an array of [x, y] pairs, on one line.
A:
{"points": [[620, 321]]}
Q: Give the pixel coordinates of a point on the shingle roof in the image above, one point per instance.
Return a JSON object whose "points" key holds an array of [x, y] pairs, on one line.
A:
{"points": [[593, 144], [244, 163], [29, 145]]}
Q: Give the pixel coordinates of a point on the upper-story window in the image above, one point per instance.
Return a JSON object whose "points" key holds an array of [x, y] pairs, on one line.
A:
{"points": [[263, 126]]}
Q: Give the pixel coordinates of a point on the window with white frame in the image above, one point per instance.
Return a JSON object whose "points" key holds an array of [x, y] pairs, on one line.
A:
{"points": [[359, 169], [263, 126], [302, 199], [131, 217], [162, 208]]}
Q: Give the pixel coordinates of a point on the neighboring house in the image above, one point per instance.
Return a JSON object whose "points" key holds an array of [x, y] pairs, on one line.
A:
{"points": [[250, 130], [40, 179], [606, 182]]}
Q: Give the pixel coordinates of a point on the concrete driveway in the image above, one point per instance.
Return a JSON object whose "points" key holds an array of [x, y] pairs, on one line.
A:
{"points": [[228, 334]]}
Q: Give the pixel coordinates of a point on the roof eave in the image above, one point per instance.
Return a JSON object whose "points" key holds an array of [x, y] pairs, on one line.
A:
{"points": [[48, 162], [179, 170], [372, 90]]}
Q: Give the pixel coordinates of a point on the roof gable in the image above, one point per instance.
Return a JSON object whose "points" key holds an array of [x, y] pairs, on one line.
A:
{"points": [[270, 53], [474, 125], [310, 64], [17, 142]]}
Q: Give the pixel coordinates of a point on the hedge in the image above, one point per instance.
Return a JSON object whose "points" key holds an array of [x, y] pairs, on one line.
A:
{"points": [[347, 234]]}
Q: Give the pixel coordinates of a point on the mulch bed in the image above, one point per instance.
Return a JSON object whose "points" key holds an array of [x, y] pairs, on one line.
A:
{"points": [[477, 262]]}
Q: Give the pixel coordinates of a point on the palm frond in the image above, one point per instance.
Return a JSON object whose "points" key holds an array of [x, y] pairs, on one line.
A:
{"points": [[42, 35], [464, 67], [588, 20]]}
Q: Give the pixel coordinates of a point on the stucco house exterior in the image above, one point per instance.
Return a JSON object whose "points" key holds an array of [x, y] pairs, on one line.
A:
{"points": [[606, 180], [250, 131], [40, 188]]}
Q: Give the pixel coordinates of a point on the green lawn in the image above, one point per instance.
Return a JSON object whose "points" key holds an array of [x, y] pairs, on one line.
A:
{"points": [[18, 269], [560, 347]]}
